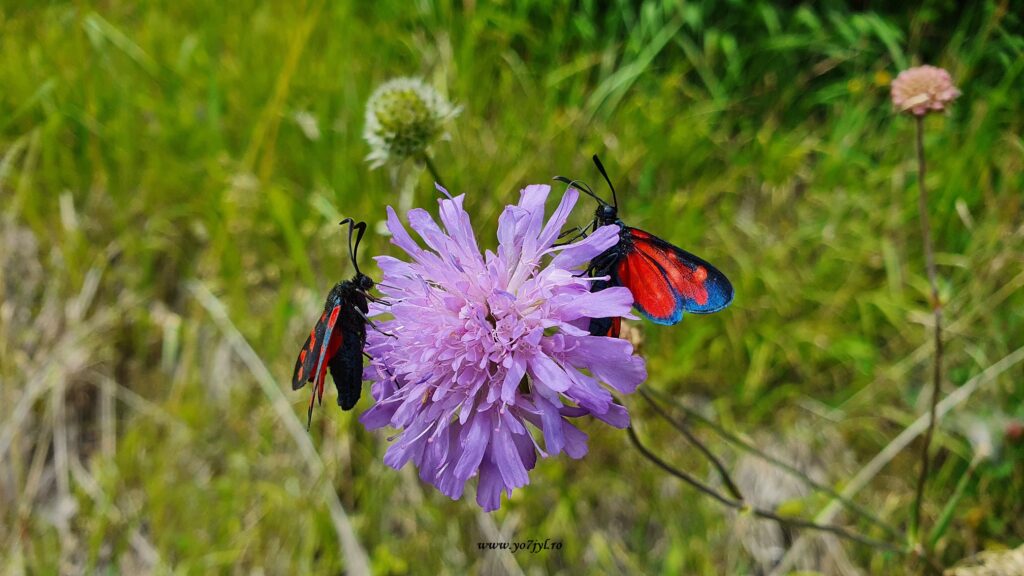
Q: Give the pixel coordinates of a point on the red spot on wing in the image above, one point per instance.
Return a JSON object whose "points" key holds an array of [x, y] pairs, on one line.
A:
{"points": [[697, 286], [311, 348], [302, 365], [686, 280], [308, 356], [652, 292]]}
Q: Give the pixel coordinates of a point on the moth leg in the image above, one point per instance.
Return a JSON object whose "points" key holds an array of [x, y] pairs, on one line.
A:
{"points": [[371, 323], [586, 272], [374, 299], [589, 271], [570, 231], [599, 266], [579, 231], [388, 286]]}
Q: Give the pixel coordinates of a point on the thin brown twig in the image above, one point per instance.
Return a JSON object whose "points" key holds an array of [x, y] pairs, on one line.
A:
{"points": [[684, 476], [678, 425], [936, 303], [786, 467], [742, 507]]}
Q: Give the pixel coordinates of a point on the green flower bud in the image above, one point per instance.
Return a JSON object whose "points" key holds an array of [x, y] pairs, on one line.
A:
{"points": [[404, 117]]}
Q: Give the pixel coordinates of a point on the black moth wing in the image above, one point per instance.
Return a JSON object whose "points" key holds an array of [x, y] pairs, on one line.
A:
{"points": [[303, 367], [313, 348], [347, 364]]}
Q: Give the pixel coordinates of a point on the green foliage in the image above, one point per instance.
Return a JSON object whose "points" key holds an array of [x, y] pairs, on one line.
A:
{"points": [[146, 144]]}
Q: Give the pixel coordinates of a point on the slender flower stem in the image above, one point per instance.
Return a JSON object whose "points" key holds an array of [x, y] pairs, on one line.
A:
{"points": [[936, 303], [678, 425], [789, 468], [684, 476], [433, 170], [742, 506]]}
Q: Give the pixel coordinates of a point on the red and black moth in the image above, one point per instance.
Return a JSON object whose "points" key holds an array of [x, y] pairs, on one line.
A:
{"points": [[665, 280], [337, 339]]}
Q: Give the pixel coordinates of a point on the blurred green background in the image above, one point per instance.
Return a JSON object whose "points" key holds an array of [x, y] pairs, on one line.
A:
{"points": [[146, 145]]}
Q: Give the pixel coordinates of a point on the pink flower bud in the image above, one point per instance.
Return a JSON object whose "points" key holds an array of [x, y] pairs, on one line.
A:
{"points": [[923, 89]]}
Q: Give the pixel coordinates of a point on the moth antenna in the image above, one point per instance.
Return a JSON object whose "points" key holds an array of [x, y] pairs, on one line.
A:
{"points": [[351, 250], [600, 168], [361, 227], [581, 186]]}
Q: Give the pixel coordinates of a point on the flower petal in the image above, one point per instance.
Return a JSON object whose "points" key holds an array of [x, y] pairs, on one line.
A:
{"points": [[423, 223], [531, 200], [575, 440], [572, 255], [614, 301], [475, 439], [610, 360], [512, 378], [456, 221], [616, 416], [558, 219], [489, 487], [547, 373], [399, 236], [506, 456]]}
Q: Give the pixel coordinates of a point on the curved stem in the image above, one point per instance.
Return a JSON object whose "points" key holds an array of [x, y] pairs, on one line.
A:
{"points": [[929, 257], [684, 476], [678, 425], [785, 466], [742, 506]]}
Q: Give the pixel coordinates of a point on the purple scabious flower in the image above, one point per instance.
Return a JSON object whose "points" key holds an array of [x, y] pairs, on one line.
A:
{"points": [[487, 348]]}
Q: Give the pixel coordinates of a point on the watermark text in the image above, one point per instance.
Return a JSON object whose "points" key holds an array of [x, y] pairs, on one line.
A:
{"points": [[532, 546]]}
